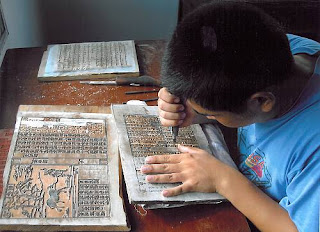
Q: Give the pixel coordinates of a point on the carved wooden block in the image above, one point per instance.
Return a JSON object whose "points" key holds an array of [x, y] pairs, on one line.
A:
{"points": [[140, 135], [62, 171]]}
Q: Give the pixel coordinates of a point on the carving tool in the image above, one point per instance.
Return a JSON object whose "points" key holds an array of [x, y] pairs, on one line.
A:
{"points": [[144, 100], [175, 131], [150, 99], [133, 81], [142, 91]]}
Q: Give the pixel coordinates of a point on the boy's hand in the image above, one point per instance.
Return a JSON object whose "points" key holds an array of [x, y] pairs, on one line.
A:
{"points": [[194, 167], [172, 111]]}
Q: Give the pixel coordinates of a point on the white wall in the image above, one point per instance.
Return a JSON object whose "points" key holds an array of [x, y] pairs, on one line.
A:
{"points": [[22, 19], [96, 20], [33, 23]]}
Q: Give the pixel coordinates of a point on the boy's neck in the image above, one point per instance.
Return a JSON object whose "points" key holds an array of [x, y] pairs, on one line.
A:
{"points": [[291, 89]]}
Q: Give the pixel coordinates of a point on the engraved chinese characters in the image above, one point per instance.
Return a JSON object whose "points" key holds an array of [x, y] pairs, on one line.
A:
{"points": [[58, 138], [140, 135], [147, 137], [59, 169], [92, 198], [77, 60], [83, 56]]}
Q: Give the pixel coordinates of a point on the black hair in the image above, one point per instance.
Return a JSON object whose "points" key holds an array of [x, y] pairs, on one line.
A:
{"points": [[222, 53]]}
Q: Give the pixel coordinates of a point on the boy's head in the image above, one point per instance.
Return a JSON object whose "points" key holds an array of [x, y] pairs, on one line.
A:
{"points": [[222, 53]]}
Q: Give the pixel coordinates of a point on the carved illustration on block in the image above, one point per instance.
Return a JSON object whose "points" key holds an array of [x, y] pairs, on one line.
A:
{"points": [[59, 169]]}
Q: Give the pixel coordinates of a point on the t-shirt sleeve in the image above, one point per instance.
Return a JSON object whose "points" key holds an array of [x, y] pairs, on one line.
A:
{"points": [[303, 195], [300, 44]]}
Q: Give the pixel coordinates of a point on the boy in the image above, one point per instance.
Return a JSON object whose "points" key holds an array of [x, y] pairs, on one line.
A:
{"points": [[233, 63]]}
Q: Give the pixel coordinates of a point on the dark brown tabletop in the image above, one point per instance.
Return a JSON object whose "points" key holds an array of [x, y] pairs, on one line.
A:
{"points": [[19, 86]]}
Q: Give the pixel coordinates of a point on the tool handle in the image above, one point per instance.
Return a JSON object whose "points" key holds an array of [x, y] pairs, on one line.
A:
{"points": [[142, 80]]}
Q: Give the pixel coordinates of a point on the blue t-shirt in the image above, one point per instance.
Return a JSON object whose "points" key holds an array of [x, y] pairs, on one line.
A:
{"points": [[282, 156]]}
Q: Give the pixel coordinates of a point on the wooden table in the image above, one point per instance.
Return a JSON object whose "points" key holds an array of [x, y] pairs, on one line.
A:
{"points": [[19, 85]]}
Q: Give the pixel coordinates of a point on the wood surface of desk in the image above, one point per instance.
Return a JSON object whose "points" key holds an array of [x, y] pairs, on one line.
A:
{"points": [[19, 86]]}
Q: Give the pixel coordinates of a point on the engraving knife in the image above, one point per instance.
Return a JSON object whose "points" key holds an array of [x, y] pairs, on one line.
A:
{"points": [[133, 81], [142, 91], [175, 132]]}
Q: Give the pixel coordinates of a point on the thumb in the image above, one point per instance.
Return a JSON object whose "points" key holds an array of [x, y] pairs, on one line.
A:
{"points": [[185, 149]]}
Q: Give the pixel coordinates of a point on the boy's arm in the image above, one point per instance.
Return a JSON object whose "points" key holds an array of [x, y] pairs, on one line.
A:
{"points": [[265, 213], [200, 171]]}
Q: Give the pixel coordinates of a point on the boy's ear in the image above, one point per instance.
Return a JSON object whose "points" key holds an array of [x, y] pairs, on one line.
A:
{"points": [[262, 102]]}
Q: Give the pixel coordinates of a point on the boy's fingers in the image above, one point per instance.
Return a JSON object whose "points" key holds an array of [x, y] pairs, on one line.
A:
{"points": [[169, 107], [164, 178], [160, 159], [166, 122], [172, 115], [176, 191], [186, 149], [167, 97], [159, 168]]}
